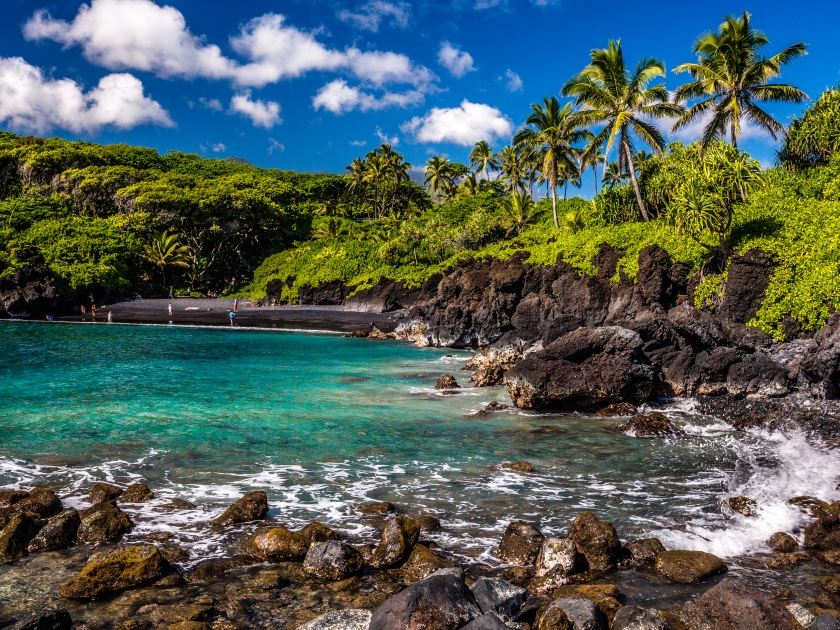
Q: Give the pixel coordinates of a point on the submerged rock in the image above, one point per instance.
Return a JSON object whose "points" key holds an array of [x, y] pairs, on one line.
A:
{"points": [[58, 533], [252, 507], [340, 620], [447, 381], [596, 540], [523, 467], [52, 620], [736, 605], [15, 537], [651, 425], [428, 523], [521, 543], [438, 603], [107, 523], [400, 535], [277, 544], [116, 571], [616, 410], [102, 492], [782, 542], [331, 560], [688, 567], [381, 508], [137, 493]]}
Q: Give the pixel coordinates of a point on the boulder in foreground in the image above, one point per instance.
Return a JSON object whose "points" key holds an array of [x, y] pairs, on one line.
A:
{"points": [[116, 571], [596, 540], [437, 603], [736, 605], [521, 543], [252, 507], [688, 567], [331, 560], [400, 535]]}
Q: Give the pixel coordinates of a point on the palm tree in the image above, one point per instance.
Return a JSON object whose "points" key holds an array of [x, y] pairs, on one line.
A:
{"points": [[470, 186], [513, 165], [621, 100], [483, 159], [438, 175], [357, 170], [592, 156], [731, 74], [164, 249], [520, 210], [331, 228], [551, 131], [614, 176]]}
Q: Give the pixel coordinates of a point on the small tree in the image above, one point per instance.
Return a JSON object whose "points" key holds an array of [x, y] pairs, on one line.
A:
{"points": [[520, 211], [164, 249]]}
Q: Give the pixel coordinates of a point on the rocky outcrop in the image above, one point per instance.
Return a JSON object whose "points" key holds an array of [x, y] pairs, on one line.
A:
{"points": [[104, 522], [30, 292]]}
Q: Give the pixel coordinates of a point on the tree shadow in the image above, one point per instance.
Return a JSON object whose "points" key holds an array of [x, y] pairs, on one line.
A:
{"points": [[766, 226]]}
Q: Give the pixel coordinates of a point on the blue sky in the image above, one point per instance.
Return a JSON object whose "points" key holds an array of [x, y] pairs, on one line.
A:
{"points": [[308, 85]]}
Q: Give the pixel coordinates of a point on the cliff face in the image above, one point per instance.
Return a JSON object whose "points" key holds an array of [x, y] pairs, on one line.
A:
{"points": [[29, 292], [558, 339]]}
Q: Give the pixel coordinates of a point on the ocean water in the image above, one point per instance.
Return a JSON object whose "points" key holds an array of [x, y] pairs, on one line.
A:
{"points": [[324, 423]]}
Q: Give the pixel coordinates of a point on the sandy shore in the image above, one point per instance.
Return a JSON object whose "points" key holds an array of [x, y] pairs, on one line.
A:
{"points": [[215, 312]]}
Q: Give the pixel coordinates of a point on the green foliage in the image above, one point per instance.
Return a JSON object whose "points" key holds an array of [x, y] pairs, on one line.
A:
{"points": [[710, 290], [814, 137]]}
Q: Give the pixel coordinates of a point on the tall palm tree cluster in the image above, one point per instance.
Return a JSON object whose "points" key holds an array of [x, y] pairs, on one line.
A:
{"points": [[378, 179], [614, 106]]}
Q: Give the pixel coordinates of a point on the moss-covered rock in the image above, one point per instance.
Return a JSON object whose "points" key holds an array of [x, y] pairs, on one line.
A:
{"points": [[400, 535], [596, 540], [521, 543], [423, 562], [117, 571], [58, 533], [688, 567], [107, 524], [782, 542], [41, 501], [276, 544], [102, 492], [331, 560], [137, 493], [318, 532], [15, 537], [252, 507]]}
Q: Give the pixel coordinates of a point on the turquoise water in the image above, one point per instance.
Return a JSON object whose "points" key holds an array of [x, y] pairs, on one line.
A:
{"points": [[324, 423]]}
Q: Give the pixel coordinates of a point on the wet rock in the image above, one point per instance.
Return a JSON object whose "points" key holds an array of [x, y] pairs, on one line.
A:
{"points": [[15, 537], [116, 571], [9, 497], [107, 524], [590, 367], [605, 596], [331, 560], [688, 567], [557, 553], [596, 540], [644, 551], [821, 535], [447, 381], [788, 560], [378, 335], [104, 492], [735, 605], [340, 620], [742, 505], [382, 508], [802, 615], [582, 613], [423, 562], [782, 542], [159, 536], [252, 507], [499, 597], [831, 583], [175, 555], [436, 603], [41, 501], [831, 557], [651, 425], [520, 544], [486, 622], [490, 364], [52, 620], [457, 572], [58, 533], [277, 544], [178, 505], [549, 582], [817, 508], [211, 570], [400, 535], [185, 612], [189, 625], [638, 618], [170, 581], [428, 523], [523, 467], [137, 493], [318, 532], [616, 410], [553, 618], [821, 367], [825, 622]]}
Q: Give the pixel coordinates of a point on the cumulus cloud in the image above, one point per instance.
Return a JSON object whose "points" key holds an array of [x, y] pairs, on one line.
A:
{"points": [[370, 15], [219, 148], [338, 97], [211, 103], [29, 101], [464, 125], [139, 34], [262, 113], [458, 62], [273, 146], [384, 138], [514, 81]]}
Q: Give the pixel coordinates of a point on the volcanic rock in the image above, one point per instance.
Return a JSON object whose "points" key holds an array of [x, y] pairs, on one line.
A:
{"points": [[382, 508], [638, 618], [742, 505], [400, 535], [596, 540], [107, 523], [688, 567], [277, 544], [782, 542], [104, 492], [137, 493], [428, 523], [644, 551], [116, 571], [252, 507], [499, 597], [15, 537], [582, 613], [557, 552], [318, 532], [331, 560], [349, 619], [52, 620], [41, 501], [651, 425], [447, 381], [423, 562], [735, 605], [436, 603], [520, 544], [58, 533]]}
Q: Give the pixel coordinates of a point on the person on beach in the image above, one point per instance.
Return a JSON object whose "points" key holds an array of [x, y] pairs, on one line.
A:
{"points": [[273, 303], [50, 318], [82, 308], [170, 309], [93, 310], [235, 304], [231, 315], [110, 319], [170, 293]]}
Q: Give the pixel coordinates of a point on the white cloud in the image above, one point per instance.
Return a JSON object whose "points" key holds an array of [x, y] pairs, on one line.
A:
{"points": [[211, 103], [141, 35], [262, 113], [514, 81], [219, 148], [338, 97], [385, 139], [456, 61], [464, 125], [694, 131], [273, 146], [358, 143], [371, 14], [29, 101]]}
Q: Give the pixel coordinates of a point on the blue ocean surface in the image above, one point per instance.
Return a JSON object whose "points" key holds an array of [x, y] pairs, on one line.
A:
{"points": [[324, 423]]}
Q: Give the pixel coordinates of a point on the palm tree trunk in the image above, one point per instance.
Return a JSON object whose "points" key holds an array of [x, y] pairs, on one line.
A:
{"points": [[554, 205], [565, 189], [632, 170], [734, 136], [595, 177]]}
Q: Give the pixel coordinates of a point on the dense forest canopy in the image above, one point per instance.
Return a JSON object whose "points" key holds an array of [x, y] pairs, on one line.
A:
{"points": [[121, 219]]}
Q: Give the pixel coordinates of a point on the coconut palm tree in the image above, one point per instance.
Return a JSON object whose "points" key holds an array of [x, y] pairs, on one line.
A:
{"points": [[483, 159], [438, 175], [513, 165], [621, 100], [331, 227], [163, 250], [592, 157], [614, 176], [730, 76], [550, 131], [520, 211]]}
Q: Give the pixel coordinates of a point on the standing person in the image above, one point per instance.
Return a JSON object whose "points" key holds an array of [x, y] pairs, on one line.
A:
{"points": [[93, 310], [273, 303], [170, 309], [82, 307], [170, 293], [110, 319], [235, 304], [231, 315]]}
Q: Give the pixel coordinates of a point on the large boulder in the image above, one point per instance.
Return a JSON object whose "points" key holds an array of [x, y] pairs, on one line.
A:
{"points": [[350, 619], [107, 523], [137, 493], [399, 537], [116, 571], [58, 533], [520, 544], [645, 550], [436, 603], [252, 507], [688, 567], [104, 492], [596, 540], [423, 562], [42, 502], [736, 605], [557, 553], [582, 613], [15, 537], [497, 596], [782, 542], [590, 367], [638, 618], [746, 281], [331, 560], [277, 544]]}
